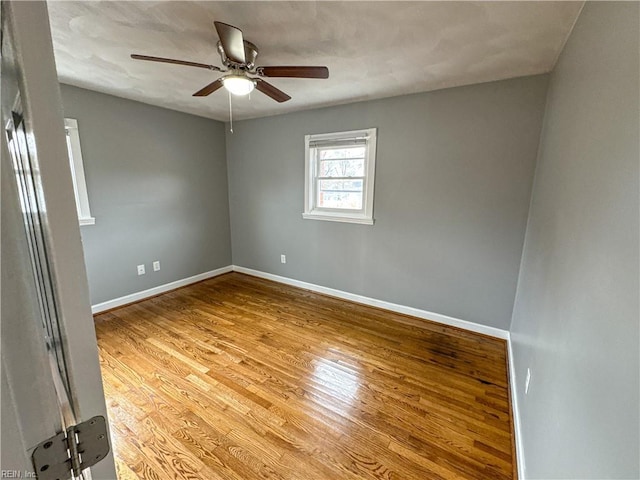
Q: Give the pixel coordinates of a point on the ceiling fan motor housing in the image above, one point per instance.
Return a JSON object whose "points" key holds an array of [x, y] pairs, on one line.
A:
{"points": [[250, 55]]}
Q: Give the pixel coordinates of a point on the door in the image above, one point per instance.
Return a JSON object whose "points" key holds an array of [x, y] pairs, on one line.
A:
{"points": [[50, 370]]}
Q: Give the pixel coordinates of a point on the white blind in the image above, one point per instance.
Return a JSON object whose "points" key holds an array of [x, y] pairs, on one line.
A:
{"points": [[342, 142]]}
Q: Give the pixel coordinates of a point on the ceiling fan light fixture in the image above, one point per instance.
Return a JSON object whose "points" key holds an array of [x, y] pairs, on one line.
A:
{"points": [[238, 84]]}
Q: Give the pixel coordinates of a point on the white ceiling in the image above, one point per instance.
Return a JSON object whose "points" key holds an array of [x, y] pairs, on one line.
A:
{"points": [[373, 49]]}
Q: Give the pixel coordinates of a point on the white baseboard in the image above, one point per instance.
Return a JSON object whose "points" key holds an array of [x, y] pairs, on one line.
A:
{"points": [[394, 307], [516, 414], [135, 297]]}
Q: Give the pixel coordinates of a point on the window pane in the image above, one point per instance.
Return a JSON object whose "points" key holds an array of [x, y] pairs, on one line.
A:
{"points": [[345, 194], [342, 168], [341, 152], [342, 200], [341, 185]]}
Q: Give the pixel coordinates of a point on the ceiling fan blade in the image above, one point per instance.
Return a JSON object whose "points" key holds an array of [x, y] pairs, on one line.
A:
{"points": [[271, 91], [296, 72], [135, 56], [232, 41], [209, 89]]}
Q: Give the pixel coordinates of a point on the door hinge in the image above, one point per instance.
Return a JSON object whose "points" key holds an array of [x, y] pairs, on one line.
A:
{"points": [[68, 453]]}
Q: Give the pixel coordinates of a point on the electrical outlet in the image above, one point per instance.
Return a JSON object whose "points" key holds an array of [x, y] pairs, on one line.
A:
{"points": [[156, 266], [527, 381], [140, 269], [283, 259]]}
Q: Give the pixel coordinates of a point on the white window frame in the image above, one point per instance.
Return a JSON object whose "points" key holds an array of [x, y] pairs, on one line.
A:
{"points": [[77, 172], [311, 210]]}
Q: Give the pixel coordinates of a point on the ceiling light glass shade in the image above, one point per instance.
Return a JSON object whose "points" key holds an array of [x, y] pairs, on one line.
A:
{"points": [[238, 85]]}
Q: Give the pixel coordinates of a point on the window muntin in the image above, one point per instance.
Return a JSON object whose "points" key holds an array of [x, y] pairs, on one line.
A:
{"points": [[339, 180]]}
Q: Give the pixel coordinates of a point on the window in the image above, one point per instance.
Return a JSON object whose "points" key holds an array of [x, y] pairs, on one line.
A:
{"points": [[339, 176], [77, 172]]}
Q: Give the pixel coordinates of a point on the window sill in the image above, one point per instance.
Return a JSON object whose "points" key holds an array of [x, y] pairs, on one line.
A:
{"points": [[87, 221], [337, 218]]}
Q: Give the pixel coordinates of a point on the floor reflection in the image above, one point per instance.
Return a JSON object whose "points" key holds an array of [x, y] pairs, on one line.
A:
{"points": [[341, 381]]}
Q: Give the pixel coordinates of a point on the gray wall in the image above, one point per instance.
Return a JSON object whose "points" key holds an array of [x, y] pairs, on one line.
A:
{"points": [[453, 180], [157, 182], [575, 321]]}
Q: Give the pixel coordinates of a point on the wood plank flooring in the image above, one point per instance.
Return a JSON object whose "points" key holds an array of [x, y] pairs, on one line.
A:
{"points": [[241, 378]]}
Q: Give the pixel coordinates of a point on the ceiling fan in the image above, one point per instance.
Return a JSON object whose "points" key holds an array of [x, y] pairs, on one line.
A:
{"points": [[241, 73]]}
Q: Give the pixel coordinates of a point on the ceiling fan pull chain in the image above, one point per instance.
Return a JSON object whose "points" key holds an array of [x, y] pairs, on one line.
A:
{"points": [[230, 114]]}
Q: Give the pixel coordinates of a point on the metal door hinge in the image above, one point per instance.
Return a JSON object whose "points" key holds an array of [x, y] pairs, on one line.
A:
{"points": [[68, 453]]}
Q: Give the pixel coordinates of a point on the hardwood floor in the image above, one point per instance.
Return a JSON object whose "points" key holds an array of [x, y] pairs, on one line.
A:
{"points": [[242, 378]]}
